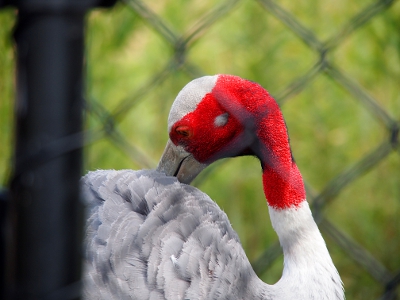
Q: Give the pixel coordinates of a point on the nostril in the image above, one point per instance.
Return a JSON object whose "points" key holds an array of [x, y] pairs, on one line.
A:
{"points": [[184, 131]]}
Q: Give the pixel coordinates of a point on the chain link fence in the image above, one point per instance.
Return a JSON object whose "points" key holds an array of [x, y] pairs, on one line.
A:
{"points": [[107, 122], [181, 44]]}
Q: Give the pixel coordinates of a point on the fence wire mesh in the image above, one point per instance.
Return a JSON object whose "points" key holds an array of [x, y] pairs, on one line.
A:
{"points": [[177, 35], [183, 41], [182, 44]]}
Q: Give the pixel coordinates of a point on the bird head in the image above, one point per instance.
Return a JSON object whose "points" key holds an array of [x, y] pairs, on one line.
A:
{"points": [[215, 117]]}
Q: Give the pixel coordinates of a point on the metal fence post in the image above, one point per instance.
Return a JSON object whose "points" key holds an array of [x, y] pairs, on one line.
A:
{"points": [[45, 218]]}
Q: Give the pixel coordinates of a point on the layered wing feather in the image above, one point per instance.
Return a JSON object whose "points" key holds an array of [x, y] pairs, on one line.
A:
{"points": [[150, 237]]}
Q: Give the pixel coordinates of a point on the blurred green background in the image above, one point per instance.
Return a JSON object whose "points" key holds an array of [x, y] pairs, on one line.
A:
{"points": [[139, 57]]}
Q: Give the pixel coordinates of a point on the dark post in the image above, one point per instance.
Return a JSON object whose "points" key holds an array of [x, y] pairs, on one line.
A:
{"points": [[45, 214]]}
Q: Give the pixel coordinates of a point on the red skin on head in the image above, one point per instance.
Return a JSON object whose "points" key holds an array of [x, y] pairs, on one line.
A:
{"points": [[255, 126]]}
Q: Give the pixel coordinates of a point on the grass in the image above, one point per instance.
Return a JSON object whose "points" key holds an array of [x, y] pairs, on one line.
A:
{"points": [[330, 130]]}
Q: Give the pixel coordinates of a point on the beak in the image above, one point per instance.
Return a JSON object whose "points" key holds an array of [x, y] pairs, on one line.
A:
{"points": [[175, 161]]}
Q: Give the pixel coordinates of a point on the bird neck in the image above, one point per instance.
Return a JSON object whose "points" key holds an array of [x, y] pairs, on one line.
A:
{"points": [[282, 181], [283, 186], [256, 110], [308, 267]]}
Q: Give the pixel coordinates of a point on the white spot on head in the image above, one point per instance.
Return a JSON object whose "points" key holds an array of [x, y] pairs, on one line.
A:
{"points": [[221, 120], [189, 97]]}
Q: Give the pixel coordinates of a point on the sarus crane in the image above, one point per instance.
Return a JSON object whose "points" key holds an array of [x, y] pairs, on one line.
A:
{"points": [[150, 236]]}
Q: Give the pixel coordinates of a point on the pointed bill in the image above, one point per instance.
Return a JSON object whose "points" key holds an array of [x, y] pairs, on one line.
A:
{"points": [[175, 161]]}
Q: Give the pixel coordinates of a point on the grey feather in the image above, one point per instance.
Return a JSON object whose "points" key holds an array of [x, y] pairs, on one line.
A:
{"points": [[150, 237]]}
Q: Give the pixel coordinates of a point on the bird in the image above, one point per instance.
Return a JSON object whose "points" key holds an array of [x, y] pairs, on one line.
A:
{"points": [[151, 235]]}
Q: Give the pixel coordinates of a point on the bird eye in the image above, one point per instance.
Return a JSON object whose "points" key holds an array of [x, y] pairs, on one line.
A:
{"points": [[221, 120], [184, 131]]}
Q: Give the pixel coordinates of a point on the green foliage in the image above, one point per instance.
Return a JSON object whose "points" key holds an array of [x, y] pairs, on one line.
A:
{"points": [[6, 92], [330, 130]]}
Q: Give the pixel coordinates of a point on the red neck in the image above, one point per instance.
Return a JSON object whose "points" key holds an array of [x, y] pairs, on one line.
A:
{"points": [[283, 184], [282, 181], [284, 187]]}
